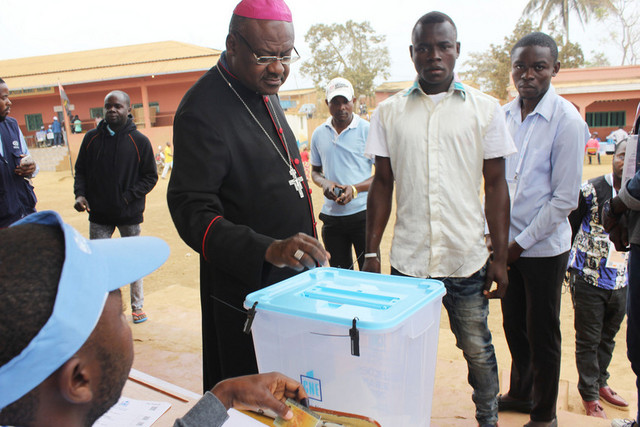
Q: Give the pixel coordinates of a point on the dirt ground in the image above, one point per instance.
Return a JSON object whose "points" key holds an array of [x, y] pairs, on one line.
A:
{"points": [[168, 345]]}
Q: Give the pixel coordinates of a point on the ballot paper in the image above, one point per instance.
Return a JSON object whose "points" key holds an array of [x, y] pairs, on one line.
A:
{"points": [[130, 412], [238, 419]]}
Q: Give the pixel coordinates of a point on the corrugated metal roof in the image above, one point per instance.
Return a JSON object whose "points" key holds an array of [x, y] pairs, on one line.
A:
{"points": [[168, 57]]}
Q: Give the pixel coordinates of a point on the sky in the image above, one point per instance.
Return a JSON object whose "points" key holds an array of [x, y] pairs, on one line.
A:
{"points": [[38, 27]]}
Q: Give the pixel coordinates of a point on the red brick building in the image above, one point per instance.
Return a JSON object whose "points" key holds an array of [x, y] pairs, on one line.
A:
{"points": [[155, 75]]}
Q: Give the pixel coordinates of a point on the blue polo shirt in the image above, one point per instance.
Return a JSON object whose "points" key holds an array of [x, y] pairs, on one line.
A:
{"points": [[343, 161]]}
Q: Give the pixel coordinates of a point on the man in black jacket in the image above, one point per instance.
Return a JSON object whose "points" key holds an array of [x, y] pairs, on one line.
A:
{"points": [[115, 170]]}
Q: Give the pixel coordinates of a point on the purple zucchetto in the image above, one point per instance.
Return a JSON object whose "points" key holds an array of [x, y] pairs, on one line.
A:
{"points": [[272, 10]]}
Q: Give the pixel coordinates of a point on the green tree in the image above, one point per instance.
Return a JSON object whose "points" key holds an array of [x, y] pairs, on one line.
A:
{"points": [[570, 55], [352, 50], [491, 69], [598, 59], [550, 10]]}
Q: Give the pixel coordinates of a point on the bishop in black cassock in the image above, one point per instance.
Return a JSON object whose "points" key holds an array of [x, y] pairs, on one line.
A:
{"points": [[232, 194]]}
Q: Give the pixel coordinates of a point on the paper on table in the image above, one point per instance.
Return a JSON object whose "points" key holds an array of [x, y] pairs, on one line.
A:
{"points": [[238, 419], [130, 412]]}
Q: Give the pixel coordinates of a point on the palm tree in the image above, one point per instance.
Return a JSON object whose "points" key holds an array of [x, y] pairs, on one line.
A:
{"points": [[549, 10]]}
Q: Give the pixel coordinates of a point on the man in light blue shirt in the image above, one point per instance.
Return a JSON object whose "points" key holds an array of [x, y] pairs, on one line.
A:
{"points": [[340, 167], [544, 181]]}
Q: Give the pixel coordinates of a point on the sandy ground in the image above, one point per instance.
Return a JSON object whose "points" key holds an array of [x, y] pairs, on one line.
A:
{"points": [[168, 345]]}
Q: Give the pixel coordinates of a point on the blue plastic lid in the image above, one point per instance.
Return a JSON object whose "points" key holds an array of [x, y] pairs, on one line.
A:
{"points": [[337, 295]]}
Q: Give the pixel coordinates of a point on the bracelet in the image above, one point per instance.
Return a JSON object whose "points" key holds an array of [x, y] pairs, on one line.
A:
{"points": [[355, 192], [371, 255]]}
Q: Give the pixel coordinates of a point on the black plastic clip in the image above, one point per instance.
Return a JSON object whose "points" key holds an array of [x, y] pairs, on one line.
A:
{"points": [[250, 315], [355, 339]]}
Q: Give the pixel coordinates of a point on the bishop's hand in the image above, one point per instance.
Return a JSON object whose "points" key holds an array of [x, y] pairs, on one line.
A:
{"points": [[298, 252]]}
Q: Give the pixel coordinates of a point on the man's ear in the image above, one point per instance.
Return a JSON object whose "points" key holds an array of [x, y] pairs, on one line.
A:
{"points": [[230, 43], [74, 380]]}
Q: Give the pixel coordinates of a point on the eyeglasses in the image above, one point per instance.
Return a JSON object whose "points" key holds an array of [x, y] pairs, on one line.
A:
{"points": [[266, 60]]}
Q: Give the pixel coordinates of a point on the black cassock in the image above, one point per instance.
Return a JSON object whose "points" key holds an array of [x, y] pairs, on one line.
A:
{"points": [[230, 197]]}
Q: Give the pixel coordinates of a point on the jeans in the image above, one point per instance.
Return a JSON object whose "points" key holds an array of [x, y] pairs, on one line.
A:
{"points": [[102, 231], [633, 316], [468, 310], [598, 315], [340, 233], [531, 322]]}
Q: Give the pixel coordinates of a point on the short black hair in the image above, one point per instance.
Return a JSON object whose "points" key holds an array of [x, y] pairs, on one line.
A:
{"points": [[125, 95], [31, 259], [1, 81], [538, 39], [434, 17]]}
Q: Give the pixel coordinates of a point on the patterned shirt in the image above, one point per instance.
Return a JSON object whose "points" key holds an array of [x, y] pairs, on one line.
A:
{"points": [[591, 244]]}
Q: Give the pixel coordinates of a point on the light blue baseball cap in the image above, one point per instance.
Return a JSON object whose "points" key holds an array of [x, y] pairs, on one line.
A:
{"points": [[91, 269]]}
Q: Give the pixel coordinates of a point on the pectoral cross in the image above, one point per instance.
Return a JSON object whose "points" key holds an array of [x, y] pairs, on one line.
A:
{"points": [[296, 181]]}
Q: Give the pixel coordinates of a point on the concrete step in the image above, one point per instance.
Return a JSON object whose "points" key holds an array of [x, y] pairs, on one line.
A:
{"points": [[51, 158]]}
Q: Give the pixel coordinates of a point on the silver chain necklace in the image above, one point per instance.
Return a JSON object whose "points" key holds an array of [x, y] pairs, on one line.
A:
{"points": [[295, 181]]}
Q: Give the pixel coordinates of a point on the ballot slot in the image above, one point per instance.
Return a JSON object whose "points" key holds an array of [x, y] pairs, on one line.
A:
{"points": [[357, 298]]}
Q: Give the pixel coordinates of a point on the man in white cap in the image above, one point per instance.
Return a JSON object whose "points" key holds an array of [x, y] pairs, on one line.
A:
{"points": [[341, 169], [238, 194], [67, 348]]}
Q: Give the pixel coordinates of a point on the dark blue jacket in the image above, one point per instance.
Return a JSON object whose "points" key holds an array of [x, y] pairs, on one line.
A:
{"points": [[17, 198], [56, 126]]}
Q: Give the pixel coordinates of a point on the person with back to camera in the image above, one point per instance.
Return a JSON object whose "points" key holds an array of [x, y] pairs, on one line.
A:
{"points": [[67, 348]]}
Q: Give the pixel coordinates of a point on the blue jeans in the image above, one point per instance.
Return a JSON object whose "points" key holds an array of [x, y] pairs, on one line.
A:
{"points": [[102, 231], [468, 310]]}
